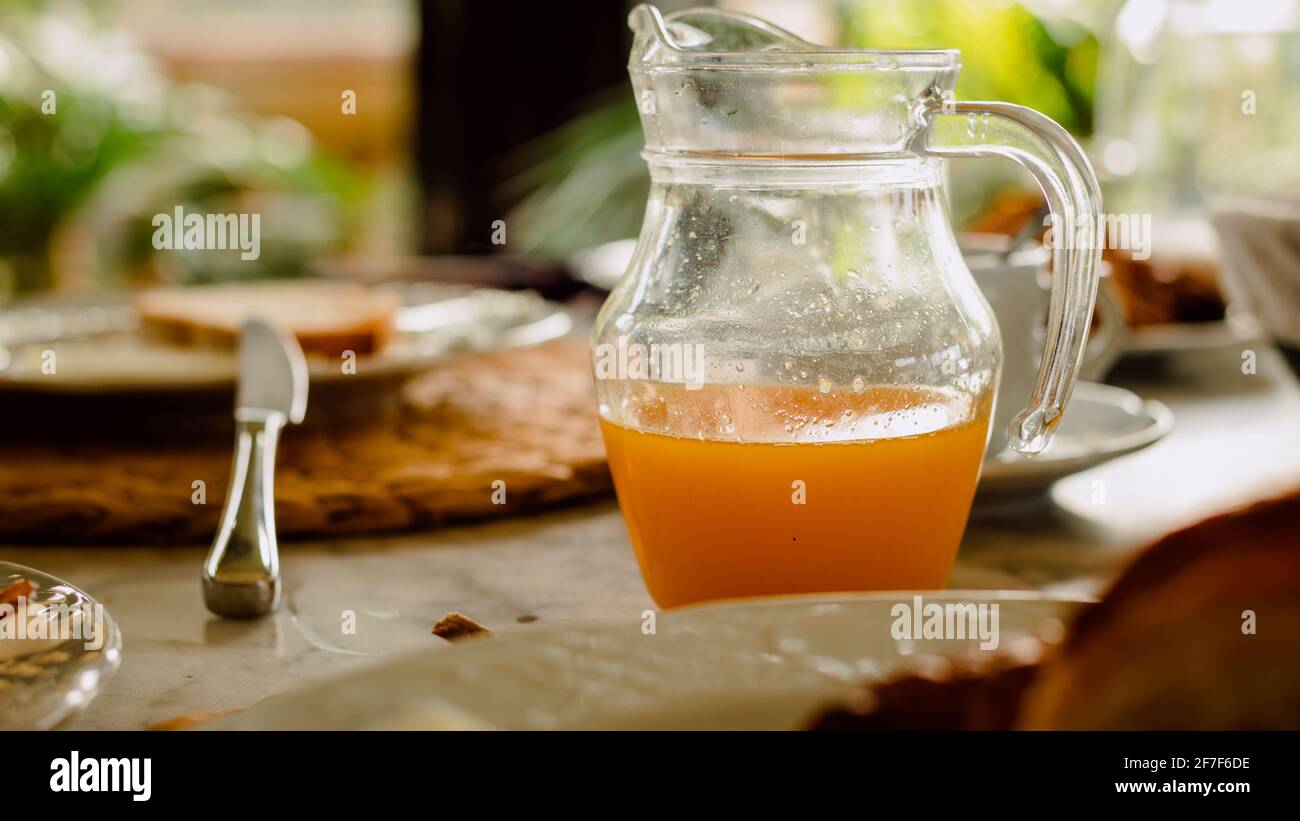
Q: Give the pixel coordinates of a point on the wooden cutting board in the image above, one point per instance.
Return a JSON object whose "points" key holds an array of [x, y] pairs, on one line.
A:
{"points": [[525, 418]]}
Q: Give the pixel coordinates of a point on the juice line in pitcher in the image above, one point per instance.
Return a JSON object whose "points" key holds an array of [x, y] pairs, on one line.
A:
{"points": [[763, 490]]}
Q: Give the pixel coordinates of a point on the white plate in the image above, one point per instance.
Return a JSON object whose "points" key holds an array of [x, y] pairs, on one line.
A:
{"points": [[1101, 423], [1234, 333], [98, 351], [756, 664], [46, 679]]}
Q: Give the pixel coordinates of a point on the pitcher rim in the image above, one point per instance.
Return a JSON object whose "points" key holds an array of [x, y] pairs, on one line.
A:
{"points": [[812, 57]]}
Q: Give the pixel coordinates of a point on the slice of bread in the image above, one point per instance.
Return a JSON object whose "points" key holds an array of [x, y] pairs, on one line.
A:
{"points": [[327, 318], [1201, 632]]}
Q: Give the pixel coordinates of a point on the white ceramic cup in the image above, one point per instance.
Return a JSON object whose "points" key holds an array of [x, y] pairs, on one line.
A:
{"points": [[1017, 287]]}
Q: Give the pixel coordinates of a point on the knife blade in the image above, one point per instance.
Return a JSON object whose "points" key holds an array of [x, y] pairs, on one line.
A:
{"points": [[272, 371]]}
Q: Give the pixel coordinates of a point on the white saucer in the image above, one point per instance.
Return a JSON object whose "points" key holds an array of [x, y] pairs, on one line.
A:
{"points": [[1101, 423], [757, 664]]}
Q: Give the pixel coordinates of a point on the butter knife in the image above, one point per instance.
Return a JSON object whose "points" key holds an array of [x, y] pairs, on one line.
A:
{"points": [[241, 576]]}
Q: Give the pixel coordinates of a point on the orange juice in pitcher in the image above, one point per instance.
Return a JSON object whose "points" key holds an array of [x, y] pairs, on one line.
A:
{"points": [[870, 491]]}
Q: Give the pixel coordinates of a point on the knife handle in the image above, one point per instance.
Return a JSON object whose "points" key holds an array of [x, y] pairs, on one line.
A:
{"points": [[241, 577]]}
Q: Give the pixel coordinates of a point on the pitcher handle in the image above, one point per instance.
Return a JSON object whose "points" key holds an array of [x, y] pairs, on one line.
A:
{"points": [[1059, 166]]}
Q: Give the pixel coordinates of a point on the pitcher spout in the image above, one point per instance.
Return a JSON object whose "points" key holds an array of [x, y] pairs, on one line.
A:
{"points": [[719, 83], [658, 40]]}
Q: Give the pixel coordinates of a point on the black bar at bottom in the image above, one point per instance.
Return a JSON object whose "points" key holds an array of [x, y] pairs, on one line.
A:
{"points": [[211, 771]]}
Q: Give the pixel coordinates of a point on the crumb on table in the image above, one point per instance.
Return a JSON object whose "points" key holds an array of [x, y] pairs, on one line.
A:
{"points": [[189, 720], [454, 626]]}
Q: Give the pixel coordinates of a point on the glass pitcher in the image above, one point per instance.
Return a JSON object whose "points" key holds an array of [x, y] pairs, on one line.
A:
{"points": [[796, 372]]}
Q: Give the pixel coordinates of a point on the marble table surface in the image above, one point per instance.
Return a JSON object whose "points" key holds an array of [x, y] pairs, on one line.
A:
{"points": [[351, 603]]}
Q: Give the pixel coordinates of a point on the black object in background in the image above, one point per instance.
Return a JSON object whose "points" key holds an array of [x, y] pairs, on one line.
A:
{"points": [[1292, 356], [492, 76]]}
